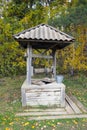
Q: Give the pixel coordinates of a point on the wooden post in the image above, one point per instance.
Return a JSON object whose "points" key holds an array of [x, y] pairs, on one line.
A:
{"points": [[29, 62], [54, 63]]}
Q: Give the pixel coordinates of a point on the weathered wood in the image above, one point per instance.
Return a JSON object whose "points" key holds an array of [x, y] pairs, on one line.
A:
{"points": [[58, 117], [44, 109], [42, 70], [41, 56], [29, 62], [78, 103], [33, 91], [62, 96], [41, 113], [46, 95], [42, 81], [54, 63], [69, 109], [73, 105]]}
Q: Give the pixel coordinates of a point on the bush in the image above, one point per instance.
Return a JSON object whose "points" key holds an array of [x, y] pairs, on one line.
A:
{"points": [[12, 59]]}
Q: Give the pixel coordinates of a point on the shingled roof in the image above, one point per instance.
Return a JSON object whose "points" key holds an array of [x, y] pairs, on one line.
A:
{"points": [[44, 36]]}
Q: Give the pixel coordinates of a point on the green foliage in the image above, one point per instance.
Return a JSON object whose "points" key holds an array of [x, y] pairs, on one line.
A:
{"points": [[11, 59], [75, 15], [23, 14], [16, 10], [1, 31], [73, 20]]}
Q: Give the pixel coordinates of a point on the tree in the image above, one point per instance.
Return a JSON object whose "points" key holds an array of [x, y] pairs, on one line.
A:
{"points": [[74, 20], [11, 59], [22, 14]]}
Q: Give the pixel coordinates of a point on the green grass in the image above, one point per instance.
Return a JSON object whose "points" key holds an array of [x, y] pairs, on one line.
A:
{"points": [[10, 103], [77, 86], [13, 123]]}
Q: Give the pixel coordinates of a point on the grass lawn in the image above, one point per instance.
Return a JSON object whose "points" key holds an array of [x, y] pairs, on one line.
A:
{"points": [[10, 103]]}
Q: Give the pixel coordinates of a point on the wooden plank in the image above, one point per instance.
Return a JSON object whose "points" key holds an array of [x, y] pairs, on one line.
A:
{"points": [[41, 56], [41, 113], [78, 103], [58, 117], [36, 102], [44, 109], [42, 70], [73, 105], [69, 109], [42, 90], [42, 98]]}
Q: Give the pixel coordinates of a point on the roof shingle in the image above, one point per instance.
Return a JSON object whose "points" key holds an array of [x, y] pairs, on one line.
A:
{"points": [[43, 32]]}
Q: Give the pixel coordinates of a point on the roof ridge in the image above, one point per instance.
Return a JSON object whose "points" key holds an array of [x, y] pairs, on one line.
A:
{"points": [[29, 29], [42, 24], [60, 31]]}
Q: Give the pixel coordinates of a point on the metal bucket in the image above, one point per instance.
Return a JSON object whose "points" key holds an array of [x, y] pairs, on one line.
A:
{"points": [[59, 78]]}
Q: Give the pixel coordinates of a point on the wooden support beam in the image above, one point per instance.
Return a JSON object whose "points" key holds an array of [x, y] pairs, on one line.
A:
{"points": [[52, 47], [29, 62], [54, 63]]}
